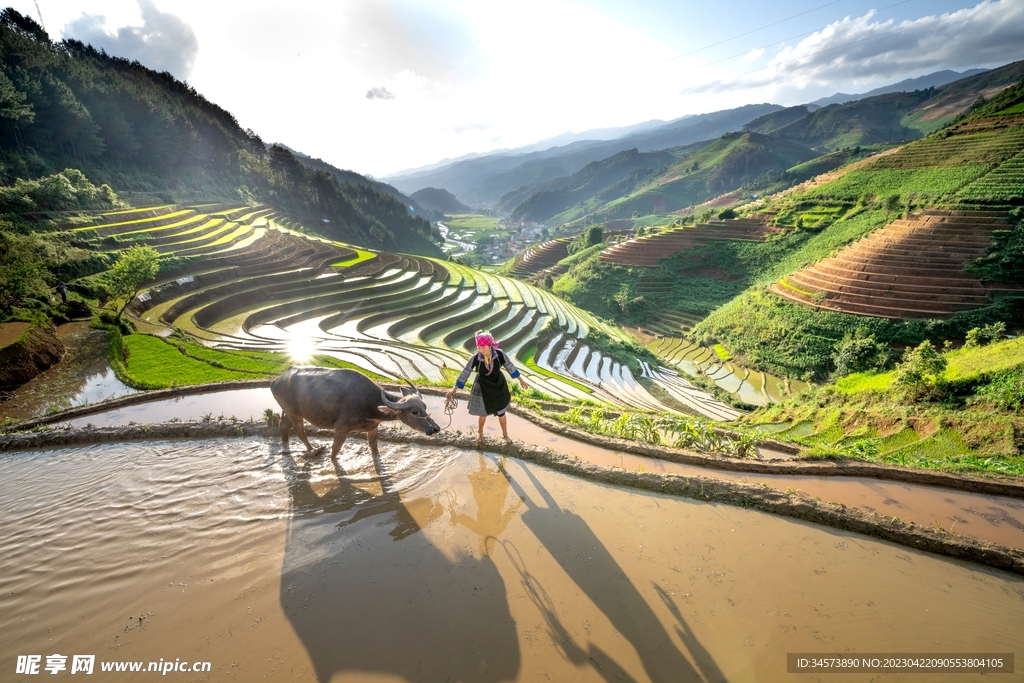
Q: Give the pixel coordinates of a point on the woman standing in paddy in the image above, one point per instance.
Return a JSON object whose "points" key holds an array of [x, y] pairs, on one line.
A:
{"points": [[490, 394]]}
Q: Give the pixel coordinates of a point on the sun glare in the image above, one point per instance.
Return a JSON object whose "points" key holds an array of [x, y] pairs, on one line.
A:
{"points": [[301, 349]]}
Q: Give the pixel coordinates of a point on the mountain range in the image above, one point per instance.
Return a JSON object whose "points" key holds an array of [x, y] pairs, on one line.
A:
{"points": [[568, 181]]}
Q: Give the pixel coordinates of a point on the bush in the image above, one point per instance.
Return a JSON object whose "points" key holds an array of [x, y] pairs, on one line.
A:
{"points": [[921, 367], [979, 336], [859, 352], [588, 238], [1005, 392]]}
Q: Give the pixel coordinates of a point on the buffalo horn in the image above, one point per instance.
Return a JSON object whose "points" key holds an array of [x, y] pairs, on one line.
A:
{"points": [[417, 391], [394, 405]]}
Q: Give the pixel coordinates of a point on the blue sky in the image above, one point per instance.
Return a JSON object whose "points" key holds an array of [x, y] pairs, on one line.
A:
{"points": [[380, 86]]}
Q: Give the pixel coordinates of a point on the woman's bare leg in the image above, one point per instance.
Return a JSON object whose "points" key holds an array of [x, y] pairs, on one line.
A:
{"points": [[480, 430], [504, 425]]}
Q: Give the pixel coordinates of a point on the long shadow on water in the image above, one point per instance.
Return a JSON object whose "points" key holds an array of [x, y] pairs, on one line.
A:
{"points": [[571, 542], [366, 593]]}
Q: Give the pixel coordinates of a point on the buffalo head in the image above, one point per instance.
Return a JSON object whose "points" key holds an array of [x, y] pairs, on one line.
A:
{"points": [[410, 409]]}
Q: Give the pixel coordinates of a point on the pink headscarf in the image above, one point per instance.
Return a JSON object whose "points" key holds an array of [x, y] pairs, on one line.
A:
{"points": [[485, 339]]}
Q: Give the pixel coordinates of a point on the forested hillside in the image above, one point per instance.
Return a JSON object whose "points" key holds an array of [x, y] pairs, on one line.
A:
{"points": [[152, 137], [441, 201], [613, 177]]}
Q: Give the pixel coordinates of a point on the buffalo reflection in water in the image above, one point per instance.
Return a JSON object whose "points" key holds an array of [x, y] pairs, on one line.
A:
{"points": [[364, 600]]}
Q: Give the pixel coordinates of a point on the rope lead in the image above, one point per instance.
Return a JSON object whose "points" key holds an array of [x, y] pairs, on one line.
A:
{"points": [[450, 404]]}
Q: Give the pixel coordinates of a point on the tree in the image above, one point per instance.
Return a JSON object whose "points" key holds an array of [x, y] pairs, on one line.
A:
{"points": [[920, 367], [136, 266], [859, 352], [979, 336], [549, 282], [890, 204], [22, 269]]}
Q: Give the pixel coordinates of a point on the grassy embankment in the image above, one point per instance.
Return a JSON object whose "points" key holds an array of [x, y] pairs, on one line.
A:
{"points": [[969, 420], [144, 361]]}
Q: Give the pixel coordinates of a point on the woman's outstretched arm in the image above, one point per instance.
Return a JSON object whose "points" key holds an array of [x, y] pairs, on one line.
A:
{"points": [[512, 371], [463, 376]]}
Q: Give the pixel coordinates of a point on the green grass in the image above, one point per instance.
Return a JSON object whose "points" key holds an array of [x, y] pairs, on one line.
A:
{"points": [[864, 381], [933, 182], [794, 288], [477, 223], [361, 255], [962, 364], [154, 364], [722, 352], [970, 363], [1015, 109], [234, 360], [943, 444], [897, 441]]}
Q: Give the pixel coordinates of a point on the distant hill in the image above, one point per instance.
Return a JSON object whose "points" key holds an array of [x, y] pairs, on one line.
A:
{"points": [[932, 80], [887, 118], [508, 179], [485, 179], [440, 200], [67, 105], [353, 178], [716, 168], [769, 123], [609, 178]]}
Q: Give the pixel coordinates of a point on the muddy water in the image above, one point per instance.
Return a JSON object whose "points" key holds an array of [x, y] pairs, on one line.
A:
{"points": [[991, 518], [82, 376], [434, 564]]}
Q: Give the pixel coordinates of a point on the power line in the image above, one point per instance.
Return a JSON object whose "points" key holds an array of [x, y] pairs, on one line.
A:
{"points": [[778, 42], [780, 21], [40, 14]]}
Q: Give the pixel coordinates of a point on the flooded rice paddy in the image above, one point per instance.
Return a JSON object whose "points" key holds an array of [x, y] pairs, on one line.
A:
{"points": [[991, 518], [434, 564]]}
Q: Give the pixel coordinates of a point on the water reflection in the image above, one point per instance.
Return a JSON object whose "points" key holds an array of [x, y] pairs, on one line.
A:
{"points": [[490, 490], [361, 601]]}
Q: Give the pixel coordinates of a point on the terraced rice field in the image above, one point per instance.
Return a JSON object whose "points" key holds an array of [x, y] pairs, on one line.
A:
{"points": [[912, 267], [991, 141], [259, 284], [648, 251], [683, 356], [539, 257]]}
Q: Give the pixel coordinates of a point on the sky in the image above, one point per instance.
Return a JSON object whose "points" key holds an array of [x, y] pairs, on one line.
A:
{"points": [[387, 85]]}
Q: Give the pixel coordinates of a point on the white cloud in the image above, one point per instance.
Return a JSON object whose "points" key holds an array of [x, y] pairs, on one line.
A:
{"points": [[864, 49], [163, 42], [379, 93], [463, 127], [752, 56]]}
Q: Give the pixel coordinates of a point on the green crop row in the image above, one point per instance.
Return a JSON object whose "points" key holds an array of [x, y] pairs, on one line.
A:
{"points": [[936, 182]]}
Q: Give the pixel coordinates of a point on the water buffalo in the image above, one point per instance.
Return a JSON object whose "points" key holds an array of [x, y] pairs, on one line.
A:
{"points": [[345, 401]]}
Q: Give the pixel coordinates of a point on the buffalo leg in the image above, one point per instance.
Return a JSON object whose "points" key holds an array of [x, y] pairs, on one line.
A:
{"points": [[340, 434], [300, 429], [286, 425], [371, 438]]}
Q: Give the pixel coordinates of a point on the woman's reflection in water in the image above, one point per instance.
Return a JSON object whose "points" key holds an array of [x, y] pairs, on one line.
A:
{"points": [[490, 490]]}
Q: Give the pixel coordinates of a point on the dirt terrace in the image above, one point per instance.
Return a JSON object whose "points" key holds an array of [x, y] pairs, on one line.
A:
{"points": [[912, 267], [649, 251]]}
